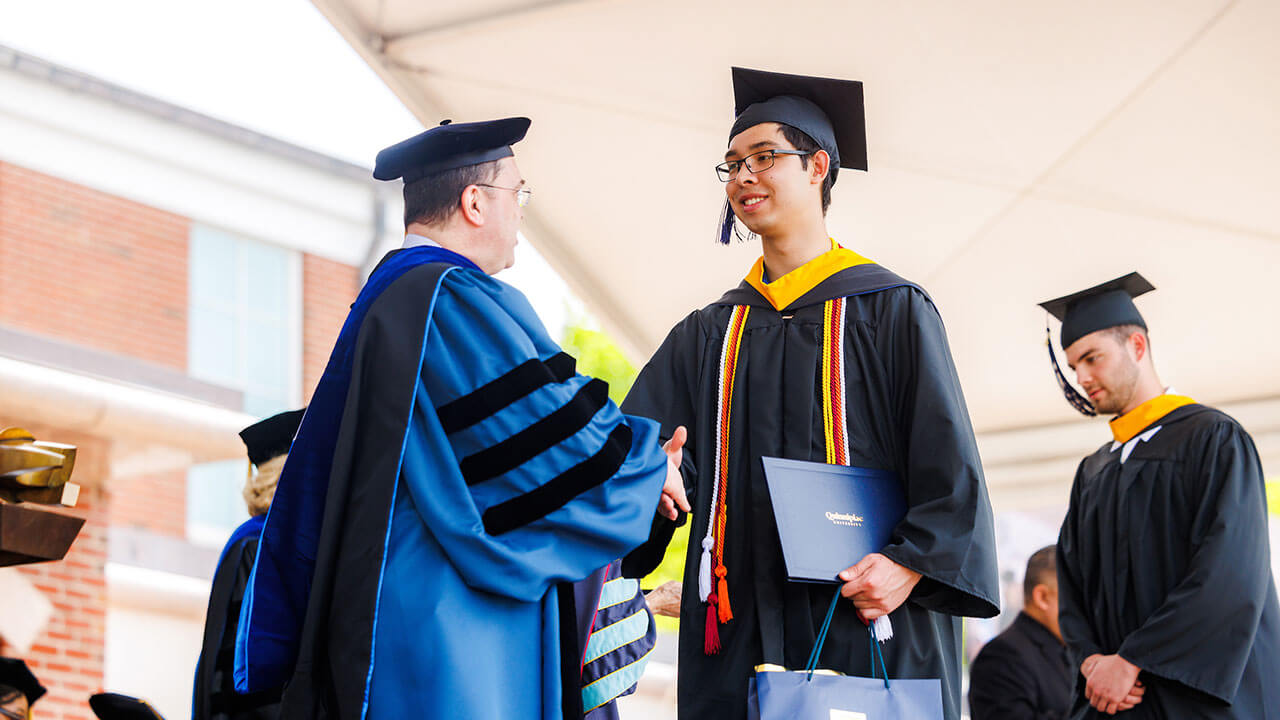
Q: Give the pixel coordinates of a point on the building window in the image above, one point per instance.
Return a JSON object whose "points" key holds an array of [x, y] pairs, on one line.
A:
{"points": [[244, 333]]}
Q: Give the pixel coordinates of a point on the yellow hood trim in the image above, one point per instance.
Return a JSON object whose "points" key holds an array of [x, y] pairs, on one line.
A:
{"points": [[790, 287], [1127, 426]]}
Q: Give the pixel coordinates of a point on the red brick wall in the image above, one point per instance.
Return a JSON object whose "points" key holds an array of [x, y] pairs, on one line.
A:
{"points": [[67, 656], [328, 289], [155, 502], [91, 268]]}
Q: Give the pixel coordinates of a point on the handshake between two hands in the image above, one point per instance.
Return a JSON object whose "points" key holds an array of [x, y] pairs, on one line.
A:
{"points": [[1111, 683]]}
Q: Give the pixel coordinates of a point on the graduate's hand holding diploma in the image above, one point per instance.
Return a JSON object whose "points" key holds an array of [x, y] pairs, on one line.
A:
{"points": [[877, 585], [673, 498], [1111, 683]]}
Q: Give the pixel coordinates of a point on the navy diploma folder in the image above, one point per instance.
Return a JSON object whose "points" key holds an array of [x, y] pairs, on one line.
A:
{"points": [[831, 516]]}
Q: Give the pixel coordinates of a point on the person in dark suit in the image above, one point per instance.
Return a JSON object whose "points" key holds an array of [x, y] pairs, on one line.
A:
{"points": [[1025, 671]]}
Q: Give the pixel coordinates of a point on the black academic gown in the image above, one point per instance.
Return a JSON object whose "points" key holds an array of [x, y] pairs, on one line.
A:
{"points": [[214, 696], [1164, 558], [905, 413], [1024, 673]]}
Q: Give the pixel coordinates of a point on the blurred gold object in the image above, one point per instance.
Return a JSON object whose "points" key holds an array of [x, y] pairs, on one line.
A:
{"points": [[36, 471], [39, 472]]}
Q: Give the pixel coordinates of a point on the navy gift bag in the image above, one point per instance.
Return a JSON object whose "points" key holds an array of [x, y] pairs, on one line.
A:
{"points": [[780, 694]]}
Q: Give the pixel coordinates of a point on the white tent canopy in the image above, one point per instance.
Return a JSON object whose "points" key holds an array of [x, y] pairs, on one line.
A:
{"points": [[1018, 151]]}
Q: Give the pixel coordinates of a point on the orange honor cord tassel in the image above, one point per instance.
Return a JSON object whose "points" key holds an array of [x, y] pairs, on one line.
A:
{"points": [[722, 594]]}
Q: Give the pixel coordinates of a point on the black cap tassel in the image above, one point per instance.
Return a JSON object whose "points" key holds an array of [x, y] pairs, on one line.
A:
{"points": [[1073, 396]]}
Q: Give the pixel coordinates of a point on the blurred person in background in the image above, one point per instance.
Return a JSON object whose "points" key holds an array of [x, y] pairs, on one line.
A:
{"points": [[1025, 673], [114, 706], [267, 443], [19, 689]]}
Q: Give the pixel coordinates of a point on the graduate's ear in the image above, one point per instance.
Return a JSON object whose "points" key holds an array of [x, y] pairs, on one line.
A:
{"points": [[819, 167], [1141, 346], [471, 205]]}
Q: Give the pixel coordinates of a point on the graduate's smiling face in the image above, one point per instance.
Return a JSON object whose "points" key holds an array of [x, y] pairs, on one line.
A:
{"points": [[1106, 366], [773, 198]]}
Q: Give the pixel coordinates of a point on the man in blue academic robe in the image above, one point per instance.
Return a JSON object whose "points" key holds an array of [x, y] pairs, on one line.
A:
{"points": [[452, 477]]}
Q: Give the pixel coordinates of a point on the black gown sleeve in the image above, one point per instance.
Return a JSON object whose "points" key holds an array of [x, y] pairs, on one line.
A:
{"points": [[664, 391], [948, 534], [1201, 635], [1073, 619]]}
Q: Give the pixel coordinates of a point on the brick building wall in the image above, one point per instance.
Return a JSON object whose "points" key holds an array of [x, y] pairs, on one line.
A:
{"points": [[68, 654], [92, 268], [328, 289], [155, 501], [97, 270]]}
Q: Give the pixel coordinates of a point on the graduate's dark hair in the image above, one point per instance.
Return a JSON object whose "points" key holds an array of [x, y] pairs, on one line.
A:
{"points": [[802, 142], [1042, 569], [434, 198]]}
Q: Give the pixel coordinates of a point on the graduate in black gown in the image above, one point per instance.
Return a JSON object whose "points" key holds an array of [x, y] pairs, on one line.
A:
{"points": [[215, 698], [820, 354], [1167, 600]]}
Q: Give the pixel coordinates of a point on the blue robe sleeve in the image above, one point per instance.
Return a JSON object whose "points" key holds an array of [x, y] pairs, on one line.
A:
{"points": [[522, 470]]}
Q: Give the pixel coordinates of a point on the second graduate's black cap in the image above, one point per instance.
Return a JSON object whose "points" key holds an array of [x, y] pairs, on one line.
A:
{"points": [[15, 674], [271, 437], [1099, 307], [828, 110], [449, 146], [114, 706]]}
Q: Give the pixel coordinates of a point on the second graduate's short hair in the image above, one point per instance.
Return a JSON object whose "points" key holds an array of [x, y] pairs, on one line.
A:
{"points": [[802, 142], [434, 198], [1042, 569], [1121, 333]]}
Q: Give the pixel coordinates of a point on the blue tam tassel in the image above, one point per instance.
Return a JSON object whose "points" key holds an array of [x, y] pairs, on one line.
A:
{"points": [[727, 220]]}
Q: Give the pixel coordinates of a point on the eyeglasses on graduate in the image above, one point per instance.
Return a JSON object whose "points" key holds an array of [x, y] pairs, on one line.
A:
{"points": [[755, 162]]}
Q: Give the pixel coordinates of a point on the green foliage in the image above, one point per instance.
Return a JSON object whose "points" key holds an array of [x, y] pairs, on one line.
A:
{"points": [[671, 568], [599, 357]]}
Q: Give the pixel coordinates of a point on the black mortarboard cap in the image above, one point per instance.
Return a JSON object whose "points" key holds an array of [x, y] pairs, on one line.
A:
{"points": [[271, 437], [828, 110], [1100, 307], [113, 706], [14, 673], [449, 146]]}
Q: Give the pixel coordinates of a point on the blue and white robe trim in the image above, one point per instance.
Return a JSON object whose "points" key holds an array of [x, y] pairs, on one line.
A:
{"points": [[621, 641]]}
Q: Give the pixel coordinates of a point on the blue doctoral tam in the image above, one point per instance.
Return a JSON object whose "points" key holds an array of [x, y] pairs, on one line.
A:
{"points": [[450, 146]]}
